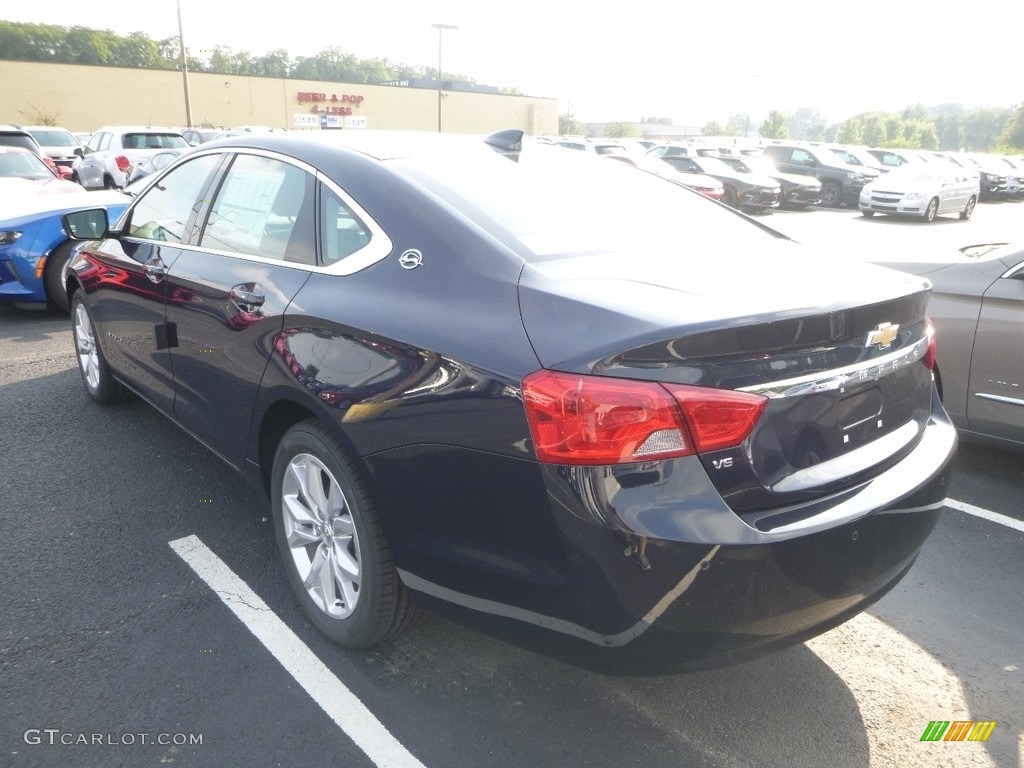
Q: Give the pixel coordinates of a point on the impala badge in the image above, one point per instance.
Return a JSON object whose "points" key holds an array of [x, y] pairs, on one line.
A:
{"points": [[882, 336], [410, 259]]}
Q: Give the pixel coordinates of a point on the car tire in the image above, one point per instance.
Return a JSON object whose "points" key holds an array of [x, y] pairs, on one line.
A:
{"points": [[729, 197], [968, 210], [331, 541], [867, 214], [109, 183], [831, 195], [931, 210], [99, 381], [53, 276]]}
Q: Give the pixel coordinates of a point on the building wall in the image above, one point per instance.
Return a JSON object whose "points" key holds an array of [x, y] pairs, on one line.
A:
{"points": [[84, 98]]}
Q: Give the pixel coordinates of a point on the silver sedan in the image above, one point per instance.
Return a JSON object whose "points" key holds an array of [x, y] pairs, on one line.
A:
{"points": [[923, 190]]}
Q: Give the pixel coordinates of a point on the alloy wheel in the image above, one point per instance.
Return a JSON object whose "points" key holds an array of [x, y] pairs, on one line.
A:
{"points": [[321, 535]]}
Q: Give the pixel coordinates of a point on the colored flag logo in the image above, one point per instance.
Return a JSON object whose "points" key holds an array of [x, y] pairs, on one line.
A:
{"points": [[958, 730]]}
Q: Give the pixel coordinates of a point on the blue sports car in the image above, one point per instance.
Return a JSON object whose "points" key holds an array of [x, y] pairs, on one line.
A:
{"points": [[33, 247]]}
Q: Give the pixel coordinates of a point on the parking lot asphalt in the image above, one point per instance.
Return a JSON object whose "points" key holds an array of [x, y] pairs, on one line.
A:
{"points": [[106, 631]]}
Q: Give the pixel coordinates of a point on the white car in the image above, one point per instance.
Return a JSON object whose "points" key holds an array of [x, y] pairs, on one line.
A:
{"points": [[923, 190], [112, 151]]}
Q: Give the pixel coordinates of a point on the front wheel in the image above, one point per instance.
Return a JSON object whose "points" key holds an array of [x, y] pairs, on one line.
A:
{"points": [[729, 197], [99, 382], [867, 214], [968, 210], [53, 276], [931, 210], [331, 541], [831, 195]]}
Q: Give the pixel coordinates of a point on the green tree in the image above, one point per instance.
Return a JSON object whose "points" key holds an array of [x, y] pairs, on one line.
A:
{"points": [[620, 130], [737, 125], [570, 126], [774, 126], [807, 124], [712, 128], [1011, 140], [982, 128]]}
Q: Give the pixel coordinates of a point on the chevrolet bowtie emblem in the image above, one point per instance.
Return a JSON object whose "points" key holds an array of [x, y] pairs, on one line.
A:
{"points": [[882, 336]]}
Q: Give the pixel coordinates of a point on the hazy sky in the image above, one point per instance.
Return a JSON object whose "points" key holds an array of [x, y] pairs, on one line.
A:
{"points": [[688, 61]]}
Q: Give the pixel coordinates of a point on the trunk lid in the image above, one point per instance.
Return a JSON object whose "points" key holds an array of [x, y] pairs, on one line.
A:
{"points": [[837, 349]]}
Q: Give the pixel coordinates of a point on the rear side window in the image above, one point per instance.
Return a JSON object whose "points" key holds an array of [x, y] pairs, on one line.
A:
{"points": [[264, 207], [342, 233], [164, 210]]}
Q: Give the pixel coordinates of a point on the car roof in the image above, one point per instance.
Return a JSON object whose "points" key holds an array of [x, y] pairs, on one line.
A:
{"points": [[380, 145]]}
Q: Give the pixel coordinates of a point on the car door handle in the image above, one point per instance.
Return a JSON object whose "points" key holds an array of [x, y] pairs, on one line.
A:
{"points": [[248, 297], [155, 269]]}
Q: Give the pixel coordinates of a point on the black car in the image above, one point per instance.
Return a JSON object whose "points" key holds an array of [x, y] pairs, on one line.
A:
{"points": [[560, 398], [746, 191], [795, 191], [840, 183]]}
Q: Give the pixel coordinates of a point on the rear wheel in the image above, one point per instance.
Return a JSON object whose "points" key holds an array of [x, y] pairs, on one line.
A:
{"points": [[932, 209], [333, 548], [968, 210], [99, 382], [108, 183], [53, 277]]}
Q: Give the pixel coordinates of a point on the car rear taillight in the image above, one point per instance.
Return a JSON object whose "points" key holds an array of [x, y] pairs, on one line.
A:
{"points": [[123, 163], [592, 420], [717, 418], [929, 356]]}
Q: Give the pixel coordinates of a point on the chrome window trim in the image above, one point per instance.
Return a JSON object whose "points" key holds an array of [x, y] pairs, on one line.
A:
{"points": [[865, 371], [379, 247], [1013, 271]]}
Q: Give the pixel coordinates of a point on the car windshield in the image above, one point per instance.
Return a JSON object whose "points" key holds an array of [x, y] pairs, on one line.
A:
{"points": [[714, 165], [54, 138], [154, 141], [555, 203], [761, 165], [21, 165]]}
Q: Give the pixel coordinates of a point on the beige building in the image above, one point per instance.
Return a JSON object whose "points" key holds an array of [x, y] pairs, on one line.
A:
{"points": [[84, 98]]}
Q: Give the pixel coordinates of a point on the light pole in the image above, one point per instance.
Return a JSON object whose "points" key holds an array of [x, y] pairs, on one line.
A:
{"points": [[440, 28], [184, 69]]}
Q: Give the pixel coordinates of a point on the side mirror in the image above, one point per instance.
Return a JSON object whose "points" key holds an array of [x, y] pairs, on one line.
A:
{"points": [[90, 224], [79, 151]]}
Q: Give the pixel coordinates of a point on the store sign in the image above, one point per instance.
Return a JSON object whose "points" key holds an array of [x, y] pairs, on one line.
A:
{"points": [[356, 122], [301, 120], [332, 104]]}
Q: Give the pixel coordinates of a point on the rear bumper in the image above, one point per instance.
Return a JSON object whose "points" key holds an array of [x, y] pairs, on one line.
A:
{"points": [[550, 556]]}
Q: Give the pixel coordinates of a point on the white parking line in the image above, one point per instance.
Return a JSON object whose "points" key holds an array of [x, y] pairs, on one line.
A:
{"points": [[994, 517], [340, 704]]}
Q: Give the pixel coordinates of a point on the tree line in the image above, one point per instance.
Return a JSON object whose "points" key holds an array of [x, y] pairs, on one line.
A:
{"points": [[81, 45], [946, 127]]}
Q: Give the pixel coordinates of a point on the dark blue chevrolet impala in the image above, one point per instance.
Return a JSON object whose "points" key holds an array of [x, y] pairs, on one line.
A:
{"points": [[558, 396]]}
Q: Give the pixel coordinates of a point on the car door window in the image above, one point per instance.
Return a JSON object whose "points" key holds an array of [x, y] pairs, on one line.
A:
{"points": [[164, 209], [265, 208], [341, 232]]}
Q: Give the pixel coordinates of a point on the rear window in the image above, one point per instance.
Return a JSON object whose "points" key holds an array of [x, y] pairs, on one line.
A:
{"points": [[153, 141], [19, 140], [553, 203], [22, 166]]}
